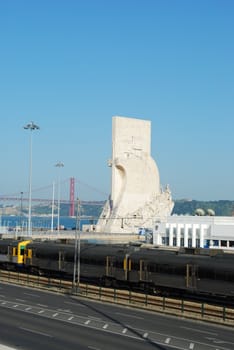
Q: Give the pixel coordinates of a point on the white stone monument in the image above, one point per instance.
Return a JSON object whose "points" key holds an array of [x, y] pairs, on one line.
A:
{"points": [[136, 200]]}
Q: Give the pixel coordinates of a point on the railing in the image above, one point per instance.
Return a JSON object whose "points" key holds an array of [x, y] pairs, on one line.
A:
{"points": [[183, 308]]}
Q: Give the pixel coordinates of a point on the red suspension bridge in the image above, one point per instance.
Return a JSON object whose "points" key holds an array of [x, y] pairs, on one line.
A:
{"points": [[71, 201]]}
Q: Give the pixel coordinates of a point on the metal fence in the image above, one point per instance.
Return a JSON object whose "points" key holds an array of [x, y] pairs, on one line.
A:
{"points": [[183, 308]]}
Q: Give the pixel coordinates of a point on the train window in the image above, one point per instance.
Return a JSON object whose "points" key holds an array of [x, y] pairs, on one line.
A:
{"points": [[180, 270], [223, 243], [205, 272], [154, 267], [230, 276], [69, 257], [3, 250], [224, 276], [118, 264], [163, 268], [84, 260], [135, 265], [151, 267], [42, 255], [94, 261]]}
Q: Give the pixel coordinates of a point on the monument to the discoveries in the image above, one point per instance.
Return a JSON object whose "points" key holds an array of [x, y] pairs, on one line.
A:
{"points": [[136, 200]]}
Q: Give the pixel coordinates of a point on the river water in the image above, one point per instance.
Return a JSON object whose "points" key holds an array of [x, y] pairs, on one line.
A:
{"points": [[10, 223]]}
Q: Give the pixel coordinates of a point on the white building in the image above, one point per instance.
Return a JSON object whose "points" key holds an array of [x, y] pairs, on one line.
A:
{"points": [[195, 231]]}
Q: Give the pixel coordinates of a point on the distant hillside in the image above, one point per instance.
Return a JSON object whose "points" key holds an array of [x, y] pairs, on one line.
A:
{"points": [[90, 210], [181, 207], [188, 207]]}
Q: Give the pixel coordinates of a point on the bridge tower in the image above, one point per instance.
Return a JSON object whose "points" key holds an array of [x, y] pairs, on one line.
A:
{"points": [[72, 197]]}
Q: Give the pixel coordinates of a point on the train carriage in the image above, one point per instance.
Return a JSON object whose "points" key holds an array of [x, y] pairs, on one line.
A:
{"points": [[12, 253], [194, 271], [98, 263], [48, 258]]}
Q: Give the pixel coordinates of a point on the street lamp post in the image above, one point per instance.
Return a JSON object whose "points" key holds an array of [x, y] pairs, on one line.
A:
{"points": [[21, 210], [52, 211], [31, 126], [76, 270], [59, 165]]}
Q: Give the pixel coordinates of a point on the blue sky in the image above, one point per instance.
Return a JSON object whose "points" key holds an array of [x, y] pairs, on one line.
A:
{"points": [[70, 65]]}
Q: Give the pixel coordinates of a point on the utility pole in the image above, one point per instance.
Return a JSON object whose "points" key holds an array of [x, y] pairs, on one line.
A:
{"points": [[21, 210], [31, 126], [52, 209], [59, 165], [76, 270]]}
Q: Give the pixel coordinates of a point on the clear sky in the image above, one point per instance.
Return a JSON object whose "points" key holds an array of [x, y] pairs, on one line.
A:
{"points": [[70, 65]]}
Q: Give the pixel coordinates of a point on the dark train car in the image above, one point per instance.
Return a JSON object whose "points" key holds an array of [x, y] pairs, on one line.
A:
{"points": [[196, 271], [98, 262], [105, 262], [12, 253], [50, 258], [152, 269]]}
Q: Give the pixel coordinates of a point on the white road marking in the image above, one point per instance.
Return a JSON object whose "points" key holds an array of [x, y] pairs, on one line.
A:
{"points": [[167, 341], [198, 330], [41, 311], [128, 315], [145, 335], [191, 346], [70, 318], [64, 310], [94, 318], [4, 347], [56, 314], [21, 300], [105, 326], [74, 304], [36, 332], [33, 295], [16, 305], [28, 308], [218, 341], [3, 302], [124, 330], [42, 305], [87, 322]]}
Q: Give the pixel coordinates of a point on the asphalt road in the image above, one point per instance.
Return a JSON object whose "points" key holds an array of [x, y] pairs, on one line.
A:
{"points": [[31, 319]]}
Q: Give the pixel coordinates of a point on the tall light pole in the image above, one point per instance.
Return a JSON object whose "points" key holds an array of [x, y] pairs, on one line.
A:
{"points": [[52, 210], [21, 210], [59, 165], [31, 126], [76, 270]]}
